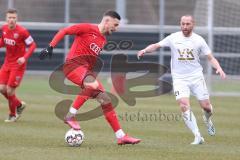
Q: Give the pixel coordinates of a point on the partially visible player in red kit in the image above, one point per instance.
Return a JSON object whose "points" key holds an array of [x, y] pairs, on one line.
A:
{"points": [[15, 39], [88, 43]]}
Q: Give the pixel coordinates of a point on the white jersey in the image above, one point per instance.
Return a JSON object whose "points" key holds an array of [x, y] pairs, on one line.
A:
{"points": [[185, 52]]}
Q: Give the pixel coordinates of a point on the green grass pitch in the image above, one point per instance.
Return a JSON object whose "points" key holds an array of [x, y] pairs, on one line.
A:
{"points": [[39, 134]]}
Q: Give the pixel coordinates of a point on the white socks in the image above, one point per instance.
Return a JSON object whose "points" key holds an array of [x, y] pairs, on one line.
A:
{"points": [[73, 110], [191, 122], [119, 134]]}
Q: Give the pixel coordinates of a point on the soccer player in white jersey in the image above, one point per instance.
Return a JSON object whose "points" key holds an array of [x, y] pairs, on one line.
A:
{"points": [[186, 47]]}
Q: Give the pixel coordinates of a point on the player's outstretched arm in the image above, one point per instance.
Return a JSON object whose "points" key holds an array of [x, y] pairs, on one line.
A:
{"points": [[71, 30], [148, 49], [214, 62], [47, 52]]}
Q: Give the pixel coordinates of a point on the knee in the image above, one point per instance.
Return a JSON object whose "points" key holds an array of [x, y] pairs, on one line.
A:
{"points": [[3, 89], [90, 82], [106, 99], [184, 108], [184, 105], [206, 105], [92, 86], [103, 98], [10, 91]]}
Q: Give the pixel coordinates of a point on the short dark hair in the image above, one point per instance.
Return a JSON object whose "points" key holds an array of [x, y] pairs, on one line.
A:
{"points": [[112, 14], [11, 10]]}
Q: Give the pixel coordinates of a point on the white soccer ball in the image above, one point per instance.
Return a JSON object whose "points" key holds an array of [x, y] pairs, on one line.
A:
{"points": [[74, 138]]}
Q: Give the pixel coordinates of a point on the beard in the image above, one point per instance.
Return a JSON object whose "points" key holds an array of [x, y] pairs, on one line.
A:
{"points": [[109, 32], [187, 32]]}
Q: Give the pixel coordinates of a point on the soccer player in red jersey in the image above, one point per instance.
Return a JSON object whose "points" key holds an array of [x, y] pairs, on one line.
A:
{"points": [[88, 43], [15, 39]]}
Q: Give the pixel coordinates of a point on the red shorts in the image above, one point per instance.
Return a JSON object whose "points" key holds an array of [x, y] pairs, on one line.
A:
{"points": [[11, 76], [78, 75]]}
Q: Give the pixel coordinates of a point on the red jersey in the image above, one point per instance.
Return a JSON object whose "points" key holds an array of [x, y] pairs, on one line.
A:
{"points": [[15, 40], [88, 41]]}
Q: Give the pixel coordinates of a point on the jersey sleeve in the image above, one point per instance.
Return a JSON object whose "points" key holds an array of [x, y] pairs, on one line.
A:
{"points": [[27, 37], [165, 42], [28, 40], [205, 50], [77, 29]]}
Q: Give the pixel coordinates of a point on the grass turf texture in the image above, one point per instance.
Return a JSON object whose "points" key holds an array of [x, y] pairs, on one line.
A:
{"points": [[39, 134]]}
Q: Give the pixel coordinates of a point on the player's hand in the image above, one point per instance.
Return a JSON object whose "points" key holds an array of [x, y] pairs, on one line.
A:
{"points": [[47, 52], [21, 60], [140, 53], [221, 73]]}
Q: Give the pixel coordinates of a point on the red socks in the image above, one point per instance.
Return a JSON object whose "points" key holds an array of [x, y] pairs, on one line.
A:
{"points": [[111, 116], [108, 111], [13, 102], [79, 101], [83, 97]]}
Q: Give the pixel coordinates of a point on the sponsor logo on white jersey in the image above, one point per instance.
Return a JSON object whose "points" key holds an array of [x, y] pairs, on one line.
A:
{"points": [[10, 42], [95, 48]]}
